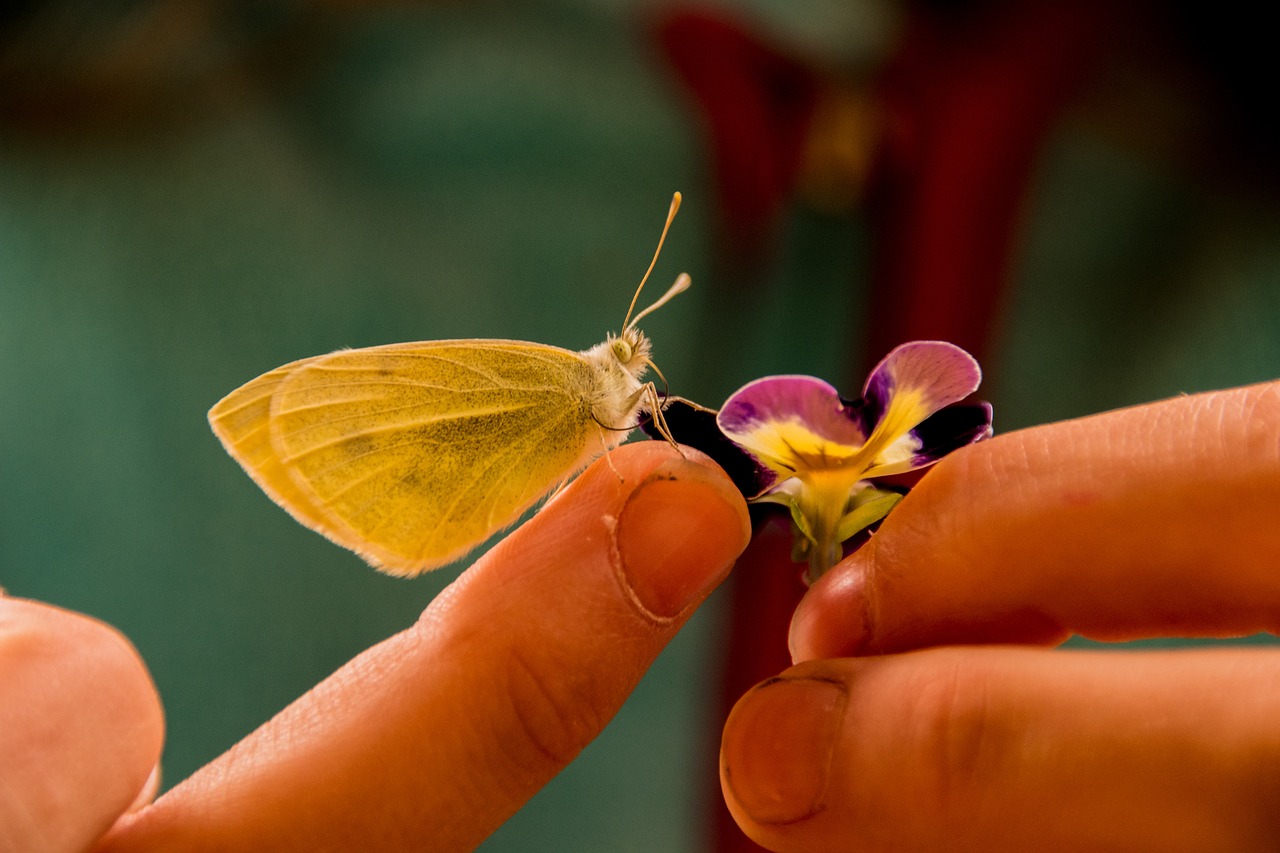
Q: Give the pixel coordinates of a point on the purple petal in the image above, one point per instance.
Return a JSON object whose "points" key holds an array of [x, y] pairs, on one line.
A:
{"points": [[770, 417], [937, 372]]}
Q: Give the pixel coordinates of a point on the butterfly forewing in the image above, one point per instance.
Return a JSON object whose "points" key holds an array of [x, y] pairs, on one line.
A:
{"points": [[411, 454]]}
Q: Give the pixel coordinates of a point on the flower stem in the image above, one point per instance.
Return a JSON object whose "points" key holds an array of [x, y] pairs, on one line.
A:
{"points": [[827, 496]]}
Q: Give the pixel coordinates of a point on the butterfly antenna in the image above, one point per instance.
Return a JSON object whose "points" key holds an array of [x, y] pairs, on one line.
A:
{"points": [[671, 214], [681, 284]]}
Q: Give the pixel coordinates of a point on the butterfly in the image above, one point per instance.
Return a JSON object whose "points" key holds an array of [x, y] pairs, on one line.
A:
{"points": [[413, 454]]}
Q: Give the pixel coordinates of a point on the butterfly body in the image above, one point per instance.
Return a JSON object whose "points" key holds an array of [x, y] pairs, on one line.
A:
{"points": [[412, 454]]}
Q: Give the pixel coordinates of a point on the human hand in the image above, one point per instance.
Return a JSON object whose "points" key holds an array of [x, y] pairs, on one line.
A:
{"points": [[431, 739], [902, 727], [80, 728]]}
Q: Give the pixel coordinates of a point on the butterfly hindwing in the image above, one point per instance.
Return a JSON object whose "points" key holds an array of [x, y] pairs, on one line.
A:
{"points": [[242, 422]]}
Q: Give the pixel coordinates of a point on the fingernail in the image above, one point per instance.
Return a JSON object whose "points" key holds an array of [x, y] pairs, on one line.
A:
{"points": [[677, 536], [148, 792], [832, 620], [778, 744]]}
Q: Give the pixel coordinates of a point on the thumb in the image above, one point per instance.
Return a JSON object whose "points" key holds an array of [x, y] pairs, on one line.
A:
{"points": [[80, 727], [432, 738]]}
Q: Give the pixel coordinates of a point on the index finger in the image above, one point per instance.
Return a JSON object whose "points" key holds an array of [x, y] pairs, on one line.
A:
{"points": [[429, 740], [1158, 520]]}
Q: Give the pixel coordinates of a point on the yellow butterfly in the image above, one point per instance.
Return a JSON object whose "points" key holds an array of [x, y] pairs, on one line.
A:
{"points": [[412, 454]]}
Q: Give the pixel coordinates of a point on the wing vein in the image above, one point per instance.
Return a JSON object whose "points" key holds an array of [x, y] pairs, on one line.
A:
{"points": [[308, 407], [240, 407], [394, 427], [471, 368]]}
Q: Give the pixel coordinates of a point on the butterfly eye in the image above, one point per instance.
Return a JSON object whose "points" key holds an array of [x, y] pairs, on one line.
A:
{"points": [[622, 350]]}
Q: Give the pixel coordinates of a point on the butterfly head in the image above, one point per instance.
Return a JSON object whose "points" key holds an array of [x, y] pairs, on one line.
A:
{"points": [[631, 351]]}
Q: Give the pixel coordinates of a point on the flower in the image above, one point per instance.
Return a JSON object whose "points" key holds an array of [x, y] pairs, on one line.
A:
{"points": [[816, 452]]}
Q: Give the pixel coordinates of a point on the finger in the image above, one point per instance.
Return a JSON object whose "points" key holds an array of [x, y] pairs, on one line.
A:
{"points": [[80, 727], [1006, 748], [1149, 521], [433, 738]]}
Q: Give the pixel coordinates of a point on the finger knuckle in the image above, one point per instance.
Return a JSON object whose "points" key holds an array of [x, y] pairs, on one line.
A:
{"points": [[948, 506], [962, 737], [553, 716], [1260, 412]]}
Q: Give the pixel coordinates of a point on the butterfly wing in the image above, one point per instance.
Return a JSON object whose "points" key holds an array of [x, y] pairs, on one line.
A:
{"points": [[242, 422], [412, 454]]}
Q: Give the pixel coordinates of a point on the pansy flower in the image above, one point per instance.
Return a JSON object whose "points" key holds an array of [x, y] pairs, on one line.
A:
{"points": [[817, 453]]}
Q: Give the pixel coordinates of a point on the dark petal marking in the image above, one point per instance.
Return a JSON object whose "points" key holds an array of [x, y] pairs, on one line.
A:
{"points": [[875, 399], [951, 428], [695, 427], [863, 411]]}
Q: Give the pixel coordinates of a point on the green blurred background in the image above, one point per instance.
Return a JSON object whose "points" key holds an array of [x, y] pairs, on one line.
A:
{"points": [[301, 180]]}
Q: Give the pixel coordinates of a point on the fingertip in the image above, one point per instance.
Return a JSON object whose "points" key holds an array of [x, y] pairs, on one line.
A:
{"points": [[678, 534], [81, 728], [834, 617], [777, 748]]}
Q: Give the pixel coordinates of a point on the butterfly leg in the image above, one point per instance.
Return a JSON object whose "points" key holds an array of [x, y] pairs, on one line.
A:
{"points": [[653, 401]]}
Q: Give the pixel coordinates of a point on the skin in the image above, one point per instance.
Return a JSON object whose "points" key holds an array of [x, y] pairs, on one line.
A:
{"points": [[427, 741], [80, 728], [927, 709]]}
